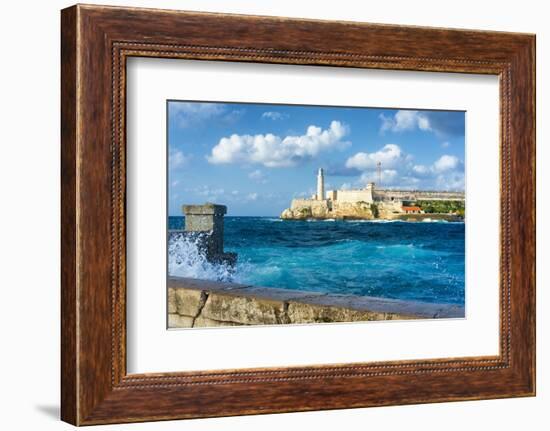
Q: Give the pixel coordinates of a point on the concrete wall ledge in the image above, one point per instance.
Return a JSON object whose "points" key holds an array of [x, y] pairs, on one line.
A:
{"points": [[201, 303]]}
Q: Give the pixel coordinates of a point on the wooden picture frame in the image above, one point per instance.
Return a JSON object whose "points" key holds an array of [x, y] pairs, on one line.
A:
{"points": [[95, 43]]}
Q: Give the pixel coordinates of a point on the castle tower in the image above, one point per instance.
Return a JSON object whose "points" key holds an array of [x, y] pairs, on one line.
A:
{"points": [[320, 185]]}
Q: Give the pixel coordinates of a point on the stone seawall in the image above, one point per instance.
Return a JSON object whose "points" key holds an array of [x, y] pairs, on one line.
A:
{"points": [[196, 303]]}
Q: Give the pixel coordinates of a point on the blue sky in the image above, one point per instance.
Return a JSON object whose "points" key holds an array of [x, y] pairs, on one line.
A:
{"points": [[255, 158]]}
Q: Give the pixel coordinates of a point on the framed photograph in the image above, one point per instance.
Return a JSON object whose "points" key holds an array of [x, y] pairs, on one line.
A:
{"points": [[393, 247], [322, 214]]}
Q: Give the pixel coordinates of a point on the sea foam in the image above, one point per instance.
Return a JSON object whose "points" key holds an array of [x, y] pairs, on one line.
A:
{"points": [[186, 259]]}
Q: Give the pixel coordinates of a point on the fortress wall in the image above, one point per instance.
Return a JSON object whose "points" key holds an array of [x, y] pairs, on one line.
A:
{"points": [[300, 203], [390, 206], [353, 196], [446, 196], [412, 195], [394, 195], [309, 203], [369, 196]]}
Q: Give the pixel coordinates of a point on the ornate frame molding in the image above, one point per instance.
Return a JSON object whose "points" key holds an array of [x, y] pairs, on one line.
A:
{"points": [[96, 41]]}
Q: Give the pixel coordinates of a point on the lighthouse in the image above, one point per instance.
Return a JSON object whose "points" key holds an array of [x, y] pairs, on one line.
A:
{"points": [[320, 185]]}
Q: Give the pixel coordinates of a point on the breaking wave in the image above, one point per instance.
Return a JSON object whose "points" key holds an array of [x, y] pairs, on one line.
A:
{"points": [[186, 258]]}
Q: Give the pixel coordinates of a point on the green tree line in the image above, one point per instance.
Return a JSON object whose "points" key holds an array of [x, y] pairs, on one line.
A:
{"points": [[441, 207]]}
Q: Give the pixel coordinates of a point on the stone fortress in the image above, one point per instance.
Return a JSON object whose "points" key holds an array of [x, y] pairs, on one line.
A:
{"points": [[372, 203]]}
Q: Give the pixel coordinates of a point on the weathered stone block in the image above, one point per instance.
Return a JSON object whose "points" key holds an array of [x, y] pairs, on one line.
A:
{"points": [[371, 308], [277, 294], [189, 301], [177, 321], [213, 303], [244, 310], [206, 223], [287, 214], [205, 322], [395, 316], [206, 218], [172, 308], [310, 313]]}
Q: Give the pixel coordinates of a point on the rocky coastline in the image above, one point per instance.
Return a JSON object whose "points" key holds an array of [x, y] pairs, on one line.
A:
{"points": [[361, 211], [371, 203]]}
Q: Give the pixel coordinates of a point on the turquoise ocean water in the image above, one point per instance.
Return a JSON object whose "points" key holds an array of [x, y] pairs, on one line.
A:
{"points": [[421, 261]]}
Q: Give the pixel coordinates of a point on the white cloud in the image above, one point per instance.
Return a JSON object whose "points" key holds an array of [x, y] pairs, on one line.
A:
{"points": [[449, 173], [206, 193], [446, 163], [176, 159], [405, 120], [305, 195], [445, 144], [274, 115], [442, 123], [388, 177], [399, 171], [188, 114], [252, 196], [196, 108], [389, 156], [453, 180], [445, 173], [345, 186], [273, 151], [232, 116], [421, 169], [410, 182]]}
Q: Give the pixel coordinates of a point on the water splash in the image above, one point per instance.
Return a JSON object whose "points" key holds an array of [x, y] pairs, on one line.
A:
{"points": [[186, 258]]}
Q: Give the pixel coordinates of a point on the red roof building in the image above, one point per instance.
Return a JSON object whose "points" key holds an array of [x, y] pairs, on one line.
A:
{"points": [[411, 209]]}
